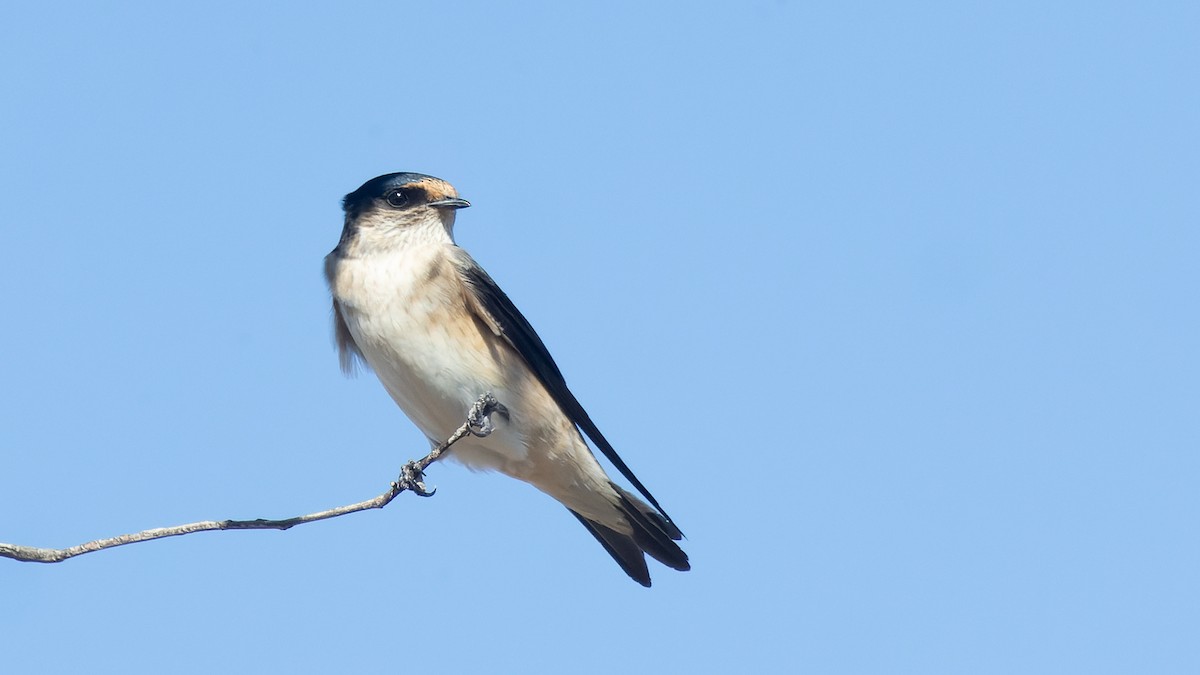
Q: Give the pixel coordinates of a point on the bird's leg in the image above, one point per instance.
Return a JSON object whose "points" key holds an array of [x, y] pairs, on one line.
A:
{"points": [[479, 420], [413, 478], [479, 423]]}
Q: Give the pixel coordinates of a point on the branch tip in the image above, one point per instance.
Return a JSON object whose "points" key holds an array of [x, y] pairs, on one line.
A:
{"points": [[411, 478]]}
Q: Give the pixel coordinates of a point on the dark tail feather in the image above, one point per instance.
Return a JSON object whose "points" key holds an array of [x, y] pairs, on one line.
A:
{"points": [[622, 548], [652, 533]]}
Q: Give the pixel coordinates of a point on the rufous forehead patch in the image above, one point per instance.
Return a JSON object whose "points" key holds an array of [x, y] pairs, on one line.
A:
{"points": [[436, 188]]}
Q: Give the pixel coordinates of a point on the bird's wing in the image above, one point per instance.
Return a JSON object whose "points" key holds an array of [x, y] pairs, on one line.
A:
{"points": [[494, 308], [349, 355]]}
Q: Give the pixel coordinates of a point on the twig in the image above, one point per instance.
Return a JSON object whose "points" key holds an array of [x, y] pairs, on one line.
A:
{"points": [[478, 423]]}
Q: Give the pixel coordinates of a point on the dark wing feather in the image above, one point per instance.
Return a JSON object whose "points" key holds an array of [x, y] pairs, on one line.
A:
{"points": [[348, 352], [495, 309]]}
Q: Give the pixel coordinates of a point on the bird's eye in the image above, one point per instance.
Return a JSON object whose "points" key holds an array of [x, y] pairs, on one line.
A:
{"points": [[397, 198]]}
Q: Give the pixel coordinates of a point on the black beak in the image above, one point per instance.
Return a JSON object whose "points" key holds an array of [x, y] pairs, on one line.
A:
{"points": [[455, 203]]}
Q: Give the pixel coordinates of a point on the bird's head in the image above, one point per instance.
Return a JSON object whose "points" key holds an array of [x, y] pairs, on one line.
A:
{"points": [[398, 207]]}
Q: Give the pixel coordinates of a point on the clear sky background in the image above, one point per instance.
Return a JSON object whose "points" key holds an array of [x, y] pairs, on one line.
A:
{"points": [[894, 307]]}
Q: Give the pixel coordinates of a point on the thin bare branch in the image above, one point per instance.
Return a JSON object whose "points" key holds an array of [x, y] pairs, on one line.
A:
{"points": [[411, 478]]}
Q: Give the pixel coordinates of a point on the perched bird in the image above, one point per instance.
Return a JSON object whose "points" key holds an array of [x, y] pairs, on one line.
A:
{"points": [[438, 332]]}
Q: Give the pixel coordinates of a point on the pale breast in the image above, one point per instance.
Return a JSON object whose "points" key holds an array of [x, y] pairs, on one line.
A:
{"points": [[407, 315]]}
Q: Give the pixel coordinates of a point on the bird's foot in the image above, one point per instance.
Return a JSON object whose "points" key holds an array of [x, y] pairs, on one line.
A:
{"points": [[479, 420], [412, 478]]}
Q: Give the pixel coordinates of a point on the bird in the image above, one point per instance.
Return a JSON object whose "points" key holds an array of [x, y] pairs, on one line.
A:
{"points": [[438, 332]]}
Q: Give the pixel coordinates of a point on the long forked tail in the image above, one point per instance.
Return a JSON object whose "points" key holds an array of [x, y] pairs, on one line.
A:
{"points": [[651, 534]]}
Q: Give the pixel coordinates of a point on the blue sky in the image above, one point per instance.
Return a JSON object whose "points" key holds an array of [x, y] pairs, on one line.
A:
{"points": [[892, 306]]}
